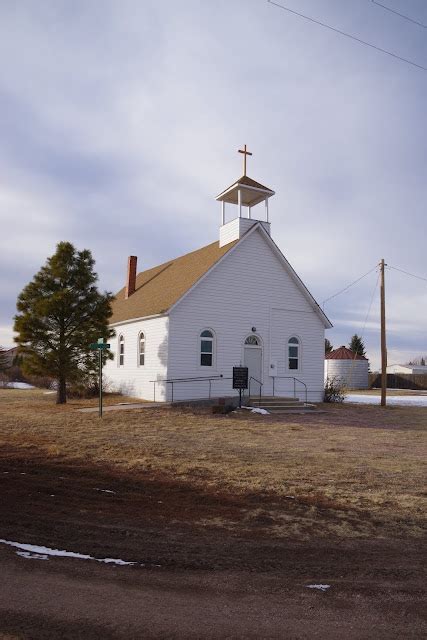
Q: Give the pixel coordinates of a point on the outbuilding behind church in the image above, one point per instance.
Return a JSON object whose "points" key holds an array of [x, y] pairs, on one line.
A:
{"points": [[347, 367]]}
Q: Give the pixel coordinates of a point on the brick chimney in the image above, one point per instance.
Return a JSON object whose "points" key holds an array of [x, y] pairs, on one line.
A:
{"points": [[131, 278]]}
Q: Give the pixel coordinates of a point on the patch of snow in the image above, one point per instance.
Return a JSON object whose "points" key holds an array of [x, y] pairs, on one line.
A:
{"points": [[105, 490], [397, 401], [32, 556], [321, 587], [48, 393], [20, 385], [257, 410], [46, 551]]}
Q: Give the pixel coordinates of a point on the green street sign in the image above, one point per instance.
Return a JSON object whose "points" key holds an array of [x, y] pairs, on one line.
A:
{"points": [[99, 345]]}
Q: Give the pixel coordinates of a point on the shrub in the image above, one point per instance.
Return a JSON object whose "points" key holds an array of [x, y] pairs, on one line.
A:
{"points": [[42, 382], [14, 374], [334, 390], [4, 380], [83, 390]]}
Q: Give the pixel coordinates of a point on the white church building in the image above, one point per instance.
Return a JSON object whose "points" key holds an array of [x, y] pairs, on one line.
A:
{"points": [[182, 326]]}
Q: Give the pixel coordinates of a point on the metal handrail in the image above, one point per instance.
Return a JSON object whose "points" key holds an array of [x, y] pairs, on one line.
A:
{"points": [[173, 381], [260, 386], [295, 380]]}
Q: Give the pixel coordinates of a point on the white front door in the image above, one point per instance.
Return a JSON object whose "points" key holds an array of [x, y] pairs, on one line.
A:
{"points": [[253, 360]]}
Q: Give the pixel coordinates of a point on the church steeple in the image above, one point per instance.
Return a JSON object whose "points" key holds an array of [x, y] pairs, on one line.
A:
{"points": [[245, 192]]}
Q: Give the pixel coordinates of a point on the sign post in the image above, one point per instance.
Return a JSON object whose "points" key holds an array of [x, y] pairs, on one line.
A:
{"points": [[100, 346], [240, 380]]}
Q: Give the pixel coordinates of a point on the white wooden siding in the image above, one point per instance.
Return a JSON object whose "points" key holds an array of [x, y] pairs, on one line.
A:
{"points": [[237, 227], [249, 288], [132, 379], [310, 332]]}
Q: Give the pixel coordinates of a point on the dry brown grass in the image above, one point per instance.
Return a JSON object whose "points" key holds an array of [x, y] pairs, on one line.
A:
{"points": [[364, 465]]}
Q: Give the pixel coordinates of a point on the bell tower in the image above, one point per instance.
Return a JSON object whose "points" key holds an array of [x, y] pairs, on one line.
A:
{"points": [[244, 194]]}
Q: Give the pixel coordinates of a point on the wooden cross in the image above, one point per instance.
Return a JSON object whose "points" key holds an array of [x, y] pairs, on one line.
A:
{"points": [[245, 153]]}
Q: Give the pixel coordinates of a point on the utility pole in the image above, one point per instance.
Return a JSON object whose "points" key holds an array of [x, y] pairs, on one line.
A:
{"points": [[383, 339]]}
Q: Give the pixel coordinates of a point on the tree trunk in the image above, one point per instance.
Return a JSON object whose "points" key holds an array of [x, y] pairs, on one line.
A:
{"points": [[61, 393]]}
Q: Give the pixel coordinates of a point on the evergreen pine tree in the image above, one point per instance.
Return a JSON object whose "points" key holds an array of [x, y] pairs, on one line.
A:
{"points": [[60, 312], [328, 346], [357, 346]]}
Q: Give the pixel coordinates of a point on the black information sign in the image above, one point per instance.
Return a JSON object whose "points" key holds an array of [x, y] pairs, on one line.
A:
{"points": [[240, 377]]}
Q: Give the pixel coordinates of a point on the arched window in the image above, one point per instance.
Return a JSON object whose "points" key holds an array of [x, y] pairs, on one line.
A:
{"points": [[206, 348], [293, 353], [121, 351], [141, 349], [253, 341]]}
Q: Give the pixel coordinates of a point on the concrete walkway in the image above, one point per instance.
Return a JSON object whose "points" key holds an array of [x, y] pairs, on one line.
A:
{"points": [[125, 406]]}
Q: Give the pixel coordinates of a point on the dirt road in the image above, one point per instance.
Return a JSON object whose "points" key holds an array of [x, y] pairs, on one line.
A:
{"points": [[64, 599], [222, 573]]}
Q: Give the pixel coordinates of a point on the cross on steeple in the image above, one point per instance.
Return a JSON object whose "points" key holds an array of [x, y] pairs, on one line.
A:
{"points": [[245, 153]]}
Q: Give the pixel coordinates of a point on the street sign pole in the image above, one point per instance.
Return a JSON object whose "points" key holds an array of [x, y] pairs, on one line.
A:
{"points": [[100, 383], [100, 346], [100, 349]]}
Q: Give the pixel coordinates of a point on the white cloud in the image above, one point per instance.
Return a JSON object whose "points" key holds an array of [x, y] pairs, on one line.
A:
{"points": [[6, 336], [122, 121], [31, 224]]}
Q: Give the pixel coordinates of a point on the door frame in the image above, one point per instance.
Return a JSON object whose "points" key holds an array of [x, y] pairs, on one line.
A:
{"points": [[259, 347]]}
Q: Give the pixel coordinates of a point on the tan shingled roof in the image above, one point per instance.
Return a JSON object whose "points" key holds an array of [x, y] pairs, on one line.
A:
{"points": [[157, 289]]}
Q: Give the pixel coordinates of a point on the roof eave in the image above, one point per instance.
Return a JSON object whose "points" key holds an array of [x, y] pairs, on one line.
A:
{"points": [[237, 185], [129, 320]]}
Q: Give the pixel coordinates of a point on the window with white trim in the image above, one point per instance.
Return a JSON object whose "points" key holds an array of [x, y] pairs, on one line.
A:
{"points": [[121, 351], [253, 341], [141, 349], [293, 354], [206, 348]]}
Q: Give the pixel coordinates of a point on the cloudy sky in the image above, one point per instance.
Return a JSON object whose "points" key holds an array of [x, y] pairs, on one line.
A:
{"points": [[120, 122]]}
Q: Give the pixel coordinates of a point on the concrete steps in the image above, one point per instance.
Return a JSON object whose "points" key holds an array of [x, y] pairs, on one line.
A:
{"points": [[281, 405]]}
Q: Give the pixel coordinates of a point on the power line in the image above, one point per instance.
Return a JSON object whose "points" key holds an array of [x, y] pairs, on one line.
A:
{"points": [[348, 286], [364, 324], [408, 274], [370, 305], [348, 35], [401, 15]]}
